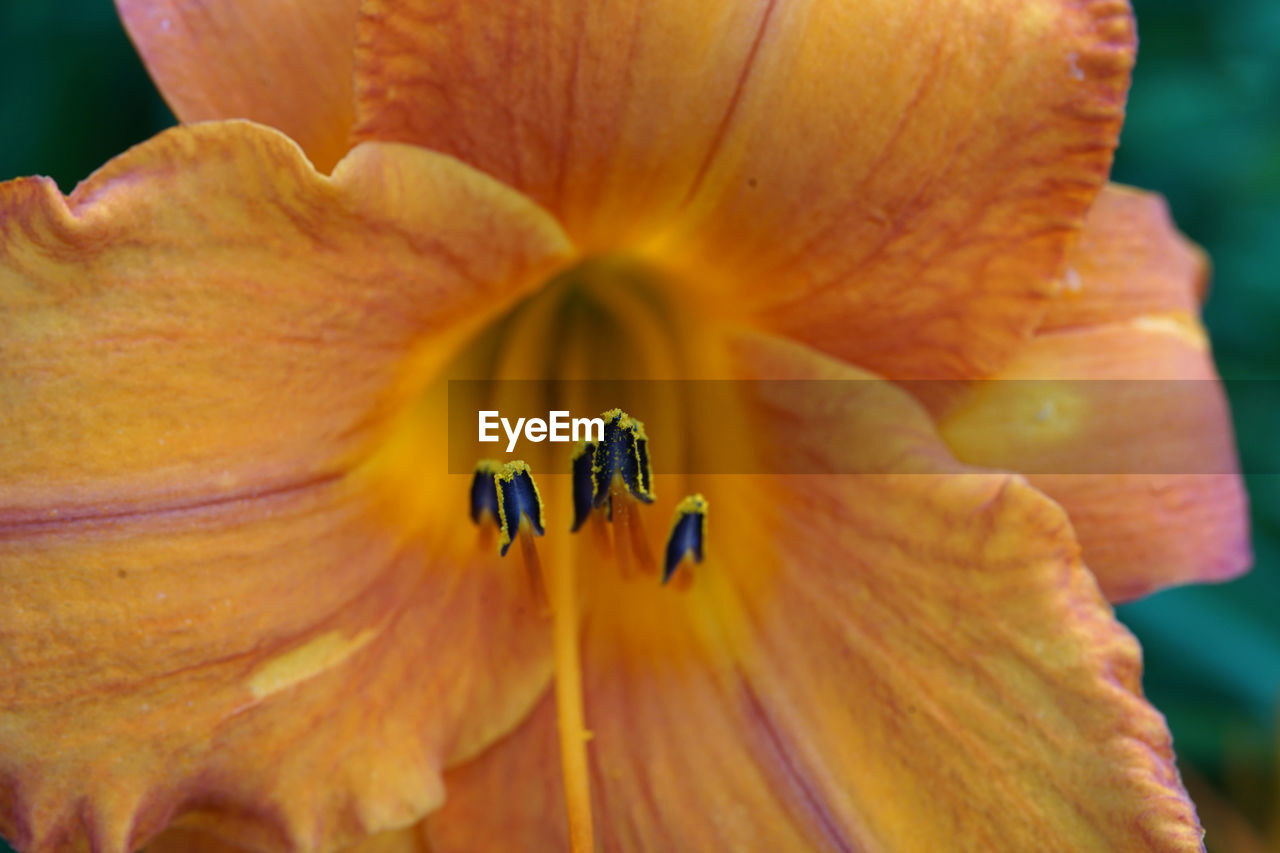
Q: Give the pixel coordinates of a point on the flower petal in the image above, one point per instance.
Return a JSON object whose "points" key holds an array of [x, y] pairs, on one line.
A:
{"points": [[893, 183], [1130, 262], [207, 317], [197, 348], [898, 662], [1145, 466], [412, 839], [285, 63]]}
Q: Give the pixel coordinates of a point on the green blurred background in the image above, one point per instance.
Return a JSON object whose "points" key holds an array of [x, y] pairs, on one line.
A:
{"points": [[1203, 128]]}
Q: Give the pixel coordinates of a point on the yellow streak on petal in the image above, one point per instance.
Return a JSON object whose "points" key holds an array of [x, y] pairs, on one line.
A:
{"points": [[305, 662], [1040, 406], [1182, 326], [1025, 414]]}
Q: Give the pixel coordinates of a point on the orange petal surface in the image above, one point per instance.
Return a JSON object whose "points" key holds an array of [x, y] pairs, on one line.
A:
{"points": [[906, 661], [411, 839], [1115, 410], [1130, 261], [285, 63], [205, 606], [895, 183]]}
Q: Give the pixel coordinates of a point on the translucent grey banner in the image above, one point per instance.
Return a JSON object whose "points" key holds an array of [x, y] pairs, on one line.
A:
{"points": [[1036, 427]]}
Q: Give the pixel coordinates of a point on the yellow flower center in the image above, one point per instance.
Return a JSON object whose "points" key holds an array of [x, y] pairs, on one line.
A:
{"points": [[606, 334]]}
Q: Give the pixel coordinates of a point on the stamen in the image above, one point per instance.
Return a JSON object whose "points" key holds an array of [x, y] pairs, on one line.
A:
{"points": [[628, 525], [619, 515], [584, 486], [520, 507], [640, 542], [484, 502], [688, 533], [622, 454], [607, 476], [533, 567], [601, 536], [484, 491], [518, 503]]}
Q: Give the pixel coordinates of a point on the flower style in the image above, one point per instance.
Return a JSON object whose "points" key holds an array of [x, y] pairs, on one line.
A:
{"points": [[241, 591]]}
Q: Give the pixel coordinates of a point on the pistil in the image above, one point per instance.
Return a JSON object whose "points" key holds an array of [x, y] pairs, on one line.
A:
{"points": [[520, 516], [570, 717]]}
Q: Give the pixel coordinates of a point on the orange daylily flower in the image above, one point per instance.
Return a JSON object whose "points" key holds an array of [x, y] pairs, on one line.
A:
{"points": [[242, 594]]}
